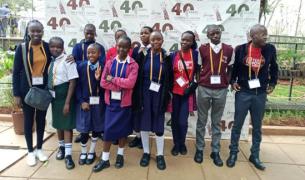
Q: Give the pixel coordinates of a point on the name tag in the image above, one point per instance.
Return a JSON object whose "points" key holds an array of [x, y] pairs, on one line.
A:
{"points": [[181, 81], [116, 95], [215, 79], [37, 80], [154, 86], [93, 100], [254, 83], [52, 93]]}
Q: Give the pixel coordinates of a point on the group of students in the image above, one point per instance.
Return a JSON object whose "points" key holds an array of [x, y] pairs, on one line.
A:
{"points": [[129, 90]]}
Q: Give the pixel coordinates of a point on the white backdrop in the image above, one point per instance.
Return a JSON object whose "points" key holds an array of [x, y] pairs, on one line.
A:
{"points": [[67, 18]]}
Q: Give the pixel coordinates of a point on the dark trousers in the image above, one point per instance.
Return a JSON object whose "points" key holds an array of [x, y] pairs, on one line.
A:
{"points": [[40, 119], [180, 116], [244, 102]]}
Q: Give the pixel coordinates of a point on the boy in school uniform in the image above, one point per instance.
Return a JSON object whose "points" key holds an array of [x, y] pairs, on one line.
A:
{"points": [[212, 91], [61, 83], [118, 79], [92, 108]]}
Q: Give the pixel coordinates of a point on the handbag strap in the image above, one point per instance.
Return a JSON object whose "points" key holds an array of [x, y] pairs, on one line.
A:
{"points": [[184, 66], [25, 63]]}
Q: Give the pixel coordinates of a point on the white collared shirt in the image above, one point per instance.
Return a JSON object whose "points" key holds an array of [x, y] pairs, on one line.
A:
{"points": [[63, 71], [216, 48], [127, 59]]}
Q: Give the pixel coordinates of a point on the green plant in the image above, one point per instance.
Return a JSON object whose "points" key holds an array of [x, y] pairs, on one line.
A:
{"points": [[6, 62], [285, 58]]}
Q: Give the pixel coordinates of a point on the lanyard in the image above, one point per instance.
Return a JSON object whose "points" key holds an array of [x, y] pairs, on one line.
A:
{"points": [[117, 67], [44, 54], [89, 82], [212, 62], [250, 63], [152, 64], [83, 51]]}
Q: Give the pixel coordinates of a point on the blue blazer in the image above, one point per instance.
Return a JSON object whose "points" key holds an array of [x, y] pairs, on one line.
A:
{"points": [[20, 82]]}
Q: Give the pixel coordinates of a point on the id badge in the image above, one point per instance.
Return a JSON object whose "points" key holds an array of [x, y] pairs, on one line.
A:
{"points": [[215, 79], [181, 81], [37, 80], [52, 93], [94, 100], [154, 86], [116, 95], [254, 83]]}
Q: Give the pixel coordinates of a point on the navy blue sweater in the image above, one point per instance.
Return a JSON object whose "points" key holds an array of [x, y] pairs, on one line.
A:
{"points": [[267, 75], [20, 82]]}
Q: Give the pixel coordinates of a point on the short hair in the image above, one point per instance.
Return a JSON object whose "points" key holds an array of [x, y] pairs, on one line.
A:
{"points": [[120, 30], [96, 46], [125, 38], [255, 28], [213, 26], [56, 38], [90, 26], [149, 28]]}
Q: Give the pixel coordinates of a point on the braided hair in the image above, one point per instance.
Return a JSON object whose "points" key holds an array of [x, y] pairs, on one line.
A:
{"points": [[194, 45], [26, 37]]}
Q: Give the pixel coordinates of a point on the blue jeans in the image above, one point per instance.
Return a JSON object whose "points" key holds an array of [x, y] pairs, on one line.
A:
{"points": [[244, 102]]}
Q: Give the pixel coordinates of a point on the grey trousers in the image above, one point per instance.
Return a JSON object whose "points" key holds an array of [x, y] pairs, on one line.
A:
{"points": [[215, 99]]}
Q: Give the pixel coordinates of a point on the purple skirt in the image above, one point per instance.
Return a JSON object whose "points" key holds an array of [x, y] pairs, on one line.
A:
{"points": [[118, 122], [92, 120], [152, 119]]}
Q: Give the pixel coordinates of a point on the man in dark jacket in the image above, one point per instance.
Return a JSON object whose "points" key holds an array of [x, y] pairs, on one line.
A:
{"points": [[254, 76]]}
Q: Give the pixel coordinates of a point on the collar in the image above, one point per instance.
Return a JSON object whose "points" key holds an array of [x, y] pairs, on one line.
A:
{"points": [[60, 56], [93, 66], [146, 47], [216, 48], [126, 60]]}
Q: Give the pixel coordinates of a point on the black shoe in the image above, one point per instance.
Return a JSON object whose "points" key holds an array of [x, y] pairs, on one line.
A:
{"points": [[140, 146], [175, 150], [77, 139], [145, 160], [161, 162], [69, 162], [119, 163], [60, 153], [82, 161], [198, 158], [101, 137], [101, 165], [231, 160], [183, 149], [91, 160], [257, 163], [216, 159], [116, 142], [134, 142]]}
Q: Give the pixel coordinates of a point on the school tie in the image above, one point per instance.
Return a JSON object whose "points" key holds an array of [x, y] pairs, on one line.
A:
{"points": [[50, 75]]}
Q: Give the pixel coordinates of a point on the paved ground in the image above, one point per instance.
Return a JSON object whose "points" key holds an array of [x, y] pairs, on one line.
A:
{"points": [[284, 157]]}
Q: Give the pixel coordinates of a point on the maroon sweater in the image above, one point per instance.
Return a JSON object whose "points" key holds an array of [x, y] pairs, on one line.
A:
{"points": [[206, 73]]}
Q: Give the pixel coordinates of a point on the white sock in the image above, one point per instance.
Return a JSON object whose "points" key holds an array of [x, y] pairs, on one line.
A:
{"points": [[83, 150], [68, 149], [160, 145], [121, 151], [105, 156], [61, 143], [138, 135], [145, 141], [92, 147]]}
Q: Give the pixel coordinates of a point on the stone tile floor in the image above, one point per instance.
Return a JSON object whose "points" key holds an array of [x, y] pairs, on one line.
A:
{"points": [[284, 157]]}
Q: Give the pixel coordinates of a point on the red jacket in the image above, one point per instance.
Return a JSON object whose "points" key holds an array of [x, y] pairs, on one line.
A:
{"points": [[125, 85], [112, 52]]}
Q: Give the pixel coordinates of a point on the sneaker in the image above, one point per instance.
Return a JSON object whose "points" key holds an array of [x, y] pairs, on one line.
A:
{"points": [[40, 156], [31, 159]]}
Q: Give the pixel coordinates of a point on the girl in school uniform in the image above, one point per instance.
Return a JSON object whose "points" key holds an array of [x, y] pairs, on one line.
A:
{"points": [[79, 53], [61, 83], [145, 45], [38, 59], [112, 52], [185, 65], [90, 95], [153, 87], [118, 79]]}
